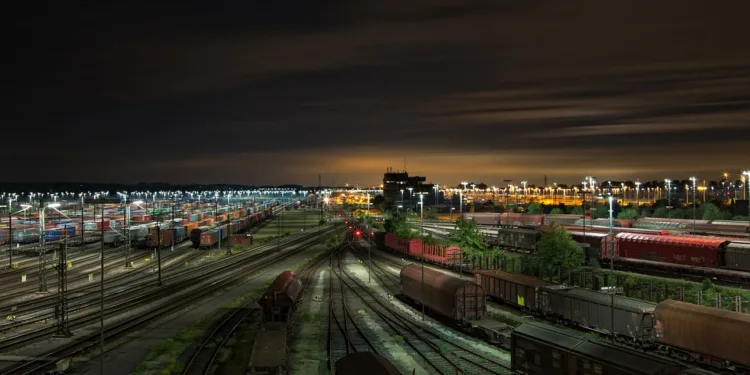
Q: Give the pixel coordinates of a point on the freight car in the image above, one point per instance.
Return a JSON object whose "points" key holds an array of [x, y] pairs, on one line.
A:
{"points": [[447, 256], [704, 334], [279, 300], [713, 256], [269, 353], [518, 239], [516, 290], [365, 363], [449, 296], [195, 235], [538, 349], [633, 319]]}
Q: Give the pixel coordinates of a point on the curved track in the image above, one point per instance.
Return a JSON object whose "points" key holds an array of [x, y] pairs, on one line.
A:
{"points": [[200, 282], [441, 353]]}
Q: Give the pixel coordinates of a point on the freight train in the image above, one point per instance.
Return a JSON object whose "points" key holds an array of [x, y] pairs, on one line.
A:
{"points": [[692, 333], [725, 259], [207, 236], [636, 322], [278, 303], [706, 227], [538, 349]]}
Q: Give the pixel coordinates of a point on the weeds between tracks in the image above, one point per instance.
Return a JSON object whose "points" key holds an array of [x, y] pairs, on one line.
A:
{"points": [[236, 268]]}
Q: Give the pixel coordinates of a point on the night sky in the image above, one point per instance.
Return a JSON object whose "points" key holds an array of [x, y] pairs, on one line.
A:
{"points": [[276, 92]]}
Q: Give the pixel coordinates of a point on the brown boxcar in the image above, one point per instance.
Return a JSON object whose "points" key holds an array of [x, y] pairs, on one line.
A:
{"points": [[538, 349], [447, 295], [518, 239], [269, 350], [241, 239], [704, 333], [279, 300], [590, 309], [365, 363], [514, 289]]}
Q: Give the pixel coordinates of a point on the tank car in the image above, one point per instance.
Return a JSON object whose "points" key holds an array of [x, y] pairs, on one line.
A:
{"points": [[195, 235], [279, 300]]}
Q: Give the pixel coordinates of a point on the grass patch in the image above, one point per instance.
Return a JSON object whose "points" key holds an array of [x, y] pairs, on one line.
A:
{"points": [[164, 357]]}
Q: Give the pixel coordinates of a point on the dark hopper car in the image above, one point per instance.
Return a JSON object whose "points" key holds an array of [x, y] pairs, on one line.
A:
{"points": [[538, 349]]}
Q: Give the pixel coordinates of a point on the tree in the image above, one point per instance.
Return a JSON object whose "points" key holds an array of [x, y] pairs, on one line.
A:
{"points": [[557, 252], [467, 236], [660, 212], [396, 223], [628, 214], [431, 215], [576, 210], [535, 208], [711, 212], [557, 211]]}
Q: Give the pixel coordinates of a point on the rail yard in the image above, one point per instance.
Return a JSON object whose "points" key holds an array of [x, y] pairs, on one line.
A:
{"points": [[328, 296]]}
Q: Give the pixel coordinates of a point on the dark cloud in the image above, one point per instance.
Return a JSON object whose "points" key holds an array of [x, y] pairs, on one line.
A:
{"points": [[279, 92]]}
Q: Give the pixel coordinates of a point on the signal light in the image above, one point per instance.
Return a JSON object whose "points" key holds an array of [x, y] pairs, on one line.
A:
{"points": [[358, 233]]}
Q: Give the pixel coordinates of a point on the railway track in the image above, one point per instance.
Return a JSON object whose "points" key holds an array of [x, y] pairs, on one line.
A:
{"points": [[203, 360], [441, 353], [345, 335], [211, 277], [128, 285], [207, 354]]}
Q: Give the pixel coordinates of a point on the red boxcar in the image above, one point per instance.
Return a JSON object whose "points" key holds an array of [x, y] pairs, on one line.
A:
{"points": [[692, 251], [402, 246]]}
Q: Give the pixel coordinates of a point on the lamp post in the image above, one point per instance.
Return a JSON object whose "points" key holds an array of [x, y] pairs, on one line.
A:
{"points": [[437, 192], [421, 204], [669, 198], [637, 196], [612, 264], [402, 198], [10, 232], [747, 173], [102, 201], [694, 179]]}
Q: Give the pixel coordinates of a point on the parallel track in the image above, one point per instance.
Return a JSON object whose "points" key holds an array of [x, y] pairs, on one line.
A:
{"points": [[219, 274], [441, 353]]}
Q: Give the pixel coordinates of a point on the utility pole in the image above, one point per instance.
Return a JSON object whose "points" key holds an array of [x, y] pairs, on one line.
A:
{"points": [[216, 216], [171, 223], [127, 233], [61, 309], [83, 223], [10, 233], [158, 252], [612, 264], [42, 245]]}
